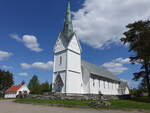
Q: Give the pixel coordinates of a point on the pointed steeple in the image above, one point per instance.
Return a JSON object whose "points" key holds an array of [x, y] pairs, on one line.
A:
{"points": [[68, 27]]}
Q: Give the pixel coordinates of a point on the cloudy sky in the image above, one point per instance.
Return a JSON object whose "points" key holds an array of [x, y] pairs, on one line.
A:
{"points": [[29, 30]]}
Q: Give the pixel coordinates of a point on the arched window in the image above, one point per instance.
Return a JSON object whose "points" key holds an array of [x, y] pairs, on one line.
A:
{"points": [[60, 60]]}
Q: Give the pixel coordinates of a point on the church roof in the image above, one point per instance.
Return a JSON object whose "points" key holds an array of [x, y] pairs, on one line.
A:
{"points": [[93, 69]]}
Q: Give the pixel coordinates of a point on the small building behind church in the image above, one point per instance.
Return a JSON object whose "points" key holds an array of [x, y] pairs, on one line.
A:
{"points": [[72, 75], [15, 90]]}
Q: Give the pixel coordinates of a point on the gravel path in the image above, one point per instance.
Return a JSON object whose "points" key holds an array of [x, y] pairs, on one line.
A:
{"points": [[8, 106]]}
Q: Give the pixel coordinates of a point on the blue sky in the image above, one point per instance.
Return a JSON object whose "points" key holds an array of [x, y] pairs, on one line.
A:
{"points": [[29, 30]]}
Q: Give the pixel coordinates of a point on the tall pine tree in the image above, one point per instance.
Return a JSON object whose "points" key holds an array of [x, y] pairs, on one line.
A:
{"points": [[34, 85], [138, 39]]}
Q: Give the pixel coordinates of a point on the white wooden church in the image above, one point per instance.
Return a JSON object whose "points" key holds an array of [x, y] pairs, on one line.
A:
{"points": [[72, 75]]}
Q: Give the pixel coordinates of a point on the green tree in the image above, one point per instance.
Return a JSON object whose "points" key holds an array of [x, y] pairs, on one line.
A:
{"points": [[34, 85], [138, 39], [6, 80], [142, 86], [51, 87], [45, 87]]}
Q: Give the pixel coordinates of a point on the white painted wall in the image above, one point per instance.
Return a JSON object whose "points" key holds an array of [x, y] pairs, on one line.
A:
{"points": [[102, 86], [59, 46], [105, 87], [74, 83], [73, 61], [57, 66], [74, 74], [127, 91], [10, 95], [86, 80], [70, 69], [74, 45], [86, 88], [24, 88]]}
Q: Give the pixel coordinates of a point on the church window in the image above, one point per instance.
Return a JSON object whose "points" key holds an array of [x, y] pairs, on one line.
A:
{"points": [[93, 82], [104, 84], [60, 60], [99, 83]]}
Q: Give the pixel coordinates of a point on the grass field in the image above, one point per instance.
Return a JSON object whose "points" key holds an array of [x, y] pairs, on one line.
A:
{"points": [[56, 102], [116, 104], [129, 104], [141, 99]]}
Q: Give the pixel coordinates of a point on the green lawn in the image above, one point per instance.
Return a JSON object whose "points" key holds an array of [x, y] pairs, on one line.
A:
{"points": [[129, 104], [56, 102], [116, 104], [6, 98], [1, 98], [141, 99]]}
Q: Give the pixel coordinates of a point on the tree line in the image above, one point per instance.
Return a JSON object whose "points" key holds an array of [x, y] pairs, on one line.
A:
{"points": [[35, 87], [38, 88]]}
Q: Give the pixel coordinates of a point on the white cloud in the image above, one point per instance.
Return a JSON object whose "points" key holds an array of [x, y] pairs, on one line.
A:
{"points": [[4, 55], [16, 37], [23, 74], [7, 67], [25, 65], [117, 66], [29, 41], [38, 65], [123, 60], [102, 22]]}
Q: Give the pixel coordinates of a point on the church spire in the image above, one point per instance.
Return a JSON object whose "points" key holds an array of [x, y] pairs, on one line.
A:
{"points": [[68, 27]]}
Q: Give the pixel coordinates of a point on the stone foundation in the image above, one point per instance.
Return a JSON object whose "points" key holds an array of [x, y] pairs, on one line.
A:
{"points": [[60, 96]]}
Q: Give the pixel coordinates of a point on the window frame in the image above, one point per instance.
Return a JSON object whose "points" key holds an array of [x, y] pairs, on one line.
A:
{"points": [[60, 60]]}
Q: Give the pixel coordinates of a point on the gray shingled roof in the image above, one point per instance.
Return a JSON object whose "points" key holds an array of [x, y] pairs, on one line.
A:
{"points": [[93, 69]]}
